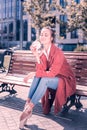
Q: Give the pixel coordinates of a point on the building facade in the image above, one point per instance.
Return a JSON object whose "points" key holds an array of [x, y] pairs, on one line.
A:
{"points": [[10, 23], [7, 22], [15, 27]]}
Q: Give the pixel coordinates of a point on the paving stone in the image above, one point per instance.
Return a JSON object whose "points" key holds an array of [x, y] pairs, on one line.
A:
{"points": [[12, 106]]}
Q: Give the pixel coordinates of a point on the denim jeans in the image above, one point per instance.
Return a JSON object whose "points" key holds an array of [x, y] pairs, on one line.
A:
{"points": [[39, 87]]}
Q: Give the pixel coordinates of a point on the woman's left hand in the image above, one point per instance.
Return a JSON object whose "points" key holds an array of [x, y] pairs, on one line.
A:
{"points": [[29, 76]]}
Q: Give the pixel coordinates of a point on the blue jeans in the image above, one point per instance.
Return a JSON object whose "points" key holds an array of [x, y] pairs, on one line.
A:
{"points": [[39, 87]]}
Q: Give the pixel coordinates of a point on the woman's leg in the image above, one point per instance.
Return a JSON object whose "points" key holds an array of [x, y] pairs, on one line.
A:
{"points": [[38, 89], [27, 112], [44, 83], [33, 87], [32, 90]]}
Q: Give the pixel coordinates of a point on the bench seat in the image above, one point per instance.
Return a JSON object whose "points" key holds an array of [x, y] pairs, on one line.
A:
{"points": [[81, 90], [16, 80]]}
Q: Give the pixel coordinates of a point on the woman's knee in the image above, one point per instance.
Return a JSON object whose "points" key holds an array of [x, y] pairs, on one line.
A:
{"points": [[44, 80], [50, 82]]}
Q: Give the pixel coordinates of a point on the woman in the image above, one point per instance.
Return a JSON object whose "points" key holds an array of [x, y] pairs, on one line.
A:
{"points": [[51, 66]]}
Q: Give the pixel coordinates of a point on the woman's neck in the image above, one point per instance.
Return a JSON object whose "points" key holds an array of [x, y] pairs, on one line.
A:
{"points": [[47, 46]]}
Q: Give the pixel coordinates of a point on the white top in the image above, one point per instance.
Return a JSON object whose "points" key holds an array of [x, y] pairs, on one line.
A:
{"points": [[47, 53]]}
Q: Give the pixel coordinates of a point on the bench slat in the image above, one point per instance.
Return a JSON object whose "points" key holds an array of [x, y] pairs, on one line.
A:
{"points": [[16, 80], [78, 62]]}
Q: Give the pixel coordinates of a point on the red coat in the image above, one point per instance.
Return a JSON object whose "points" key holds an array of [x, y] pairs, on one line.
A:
{"points": [[57, 66]]}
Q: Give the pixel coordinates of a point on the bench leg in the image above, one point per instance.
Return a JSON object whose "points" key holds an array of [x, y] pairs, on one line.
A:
{"points": [[78, 104], [7, 88], [3, 69], [73, 100], [70, 102]]}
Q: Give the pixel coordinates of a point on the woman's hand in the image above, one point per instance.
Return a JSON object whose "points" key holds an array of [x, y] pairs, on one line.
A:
{"points": [[35, 50], [29, 76]]}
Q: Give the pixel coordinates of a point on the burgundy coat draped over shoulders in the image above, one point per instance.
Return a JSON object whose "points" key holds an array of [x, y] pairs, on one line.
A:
{"points": [[57, 66]]}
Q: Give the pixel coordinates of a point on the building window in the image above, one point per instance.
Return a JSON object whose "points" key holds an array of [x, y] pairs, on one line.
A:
{"points": [[50, 1], [77, 1], [63, 3], [5, 27], [25, 30], [63, 20], [0, 12], [11, 27], [10, 9], [74, 34], [4, 9], [18, 8], [33, 34], [0, 33], [0, 26], [52, 8], [18, 30], [11, 35]]}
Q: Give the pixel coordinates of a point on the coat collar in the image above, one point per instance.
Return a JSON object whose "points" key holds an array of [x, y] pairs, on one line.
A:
{"points": [[52, 51]]}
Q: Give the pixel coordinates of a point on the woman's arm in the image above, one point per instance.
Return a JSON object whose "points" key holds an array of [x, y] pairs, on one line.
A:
{"points": [[54, 69]]}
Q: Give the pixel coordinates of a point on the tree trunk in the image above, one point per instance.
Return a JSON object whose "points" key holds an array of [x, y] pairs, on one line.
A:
{"points": [[37, 33]]}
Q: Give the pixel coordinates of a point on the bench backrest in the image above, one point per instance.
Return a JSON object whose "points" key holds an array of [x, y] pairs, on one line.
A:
{"points": [[22, 62], [78, 62]]}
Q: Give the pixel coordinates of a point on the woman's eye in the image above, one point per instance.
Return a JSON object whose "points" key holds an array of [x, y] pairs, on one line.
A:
{"points": [[46, 35]]}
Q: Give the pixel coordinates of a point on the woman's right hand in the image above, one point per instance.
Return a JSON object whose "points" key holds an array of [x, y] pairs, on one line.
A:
{"points": [[36, 45], [35, 50]]}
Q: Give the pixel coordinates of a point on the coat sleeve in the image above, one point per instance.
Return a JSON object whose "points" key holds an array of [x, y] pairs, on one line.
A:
{"points": [[57, 62], [43, 63]]}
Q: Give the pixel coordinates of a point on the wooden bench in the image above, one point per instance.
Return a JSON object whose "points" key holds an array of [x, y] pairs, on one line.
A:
{"points": [[78, 62], [23, 62]]}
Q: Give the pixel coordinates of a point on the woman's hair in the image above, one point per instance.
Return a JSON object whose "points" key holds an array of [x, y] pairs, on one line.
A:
{"points": [[52, 32]]}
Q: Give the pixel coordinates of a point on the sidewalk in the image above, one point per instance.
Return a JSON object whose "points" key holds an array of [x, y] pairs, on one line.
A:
{"points": [[12, 106]]}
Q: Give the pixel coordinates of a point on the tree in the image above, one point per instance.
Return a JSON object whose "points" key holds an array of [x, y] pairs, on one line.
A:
{"points": [[41, 13], [77, 16]]}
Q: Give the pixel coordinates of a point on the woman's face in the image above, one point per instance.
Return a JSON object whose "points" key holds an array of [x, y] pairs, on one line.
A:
{"points": [[45, 36]]}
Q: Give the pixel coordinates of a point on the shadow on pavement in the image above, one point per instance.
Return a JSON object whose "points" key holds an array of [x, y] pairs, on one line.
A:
{"points": [[75, 119], [33, 127]]}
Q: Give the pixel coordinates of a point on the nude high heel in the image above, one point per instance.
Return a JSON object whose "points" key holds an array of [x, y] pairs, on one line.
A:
{"points": [[26, 114]]}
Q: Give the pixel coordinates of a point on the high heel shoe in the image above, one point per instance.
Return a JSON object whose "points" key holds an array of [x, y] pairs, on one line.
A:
{"points": [[27, 113]]}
